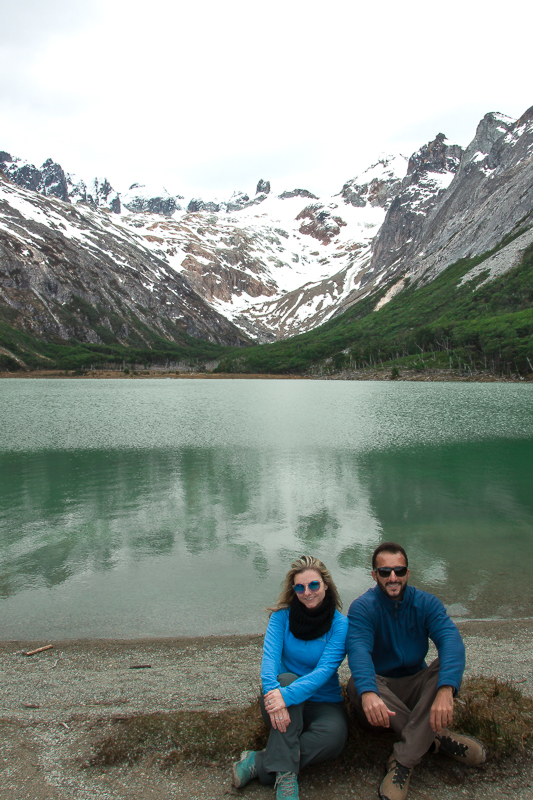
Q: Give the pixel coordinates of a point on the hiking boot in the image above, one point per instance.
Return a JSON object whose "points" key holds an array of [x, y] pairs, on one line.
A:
{"points": [[286, 786], [244, 770], [462, 748], [395, 784]]}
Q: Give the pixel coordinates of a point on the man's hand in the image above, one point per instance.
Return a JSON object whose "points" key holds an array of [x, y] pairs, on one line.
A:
{"points": [[442, 709], [280, 720], [375, 709]]}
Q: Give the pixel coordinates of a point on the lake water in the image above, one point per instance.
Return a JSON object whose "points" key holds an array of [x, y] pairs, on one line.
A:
{"points": [[174, 507]]}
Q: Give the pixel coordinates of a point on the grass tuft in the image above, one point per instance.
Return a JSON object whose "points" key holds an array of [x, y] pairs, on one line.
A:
{"points": [[191, 736], [495, 712]]}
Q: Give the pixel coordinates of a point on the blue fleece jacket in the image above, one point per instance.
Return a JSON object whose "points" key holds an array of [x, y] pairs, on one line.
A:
{"points": [[390, 638], [315, 661]]}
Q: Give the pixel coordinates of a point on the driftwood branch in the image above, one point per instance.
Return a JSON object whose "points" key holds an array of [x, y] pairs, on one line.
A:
{"points": [[39, 650]]}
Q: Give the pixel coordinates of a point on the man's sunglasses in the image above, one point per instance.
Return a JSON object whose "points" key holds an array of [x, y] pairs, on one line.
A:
{"points": [[299, 588], [384, 572]]}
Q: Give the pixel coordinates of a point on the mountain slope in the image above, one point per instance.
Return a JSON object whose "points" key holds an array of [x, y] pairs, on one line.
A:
{"points": [[459, 318], [491, 193], [70, 273]]}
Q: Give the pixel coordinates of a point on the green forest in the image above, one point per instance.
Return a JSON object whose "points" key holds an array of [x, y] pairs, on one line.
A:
{"points": [[80, 357]]}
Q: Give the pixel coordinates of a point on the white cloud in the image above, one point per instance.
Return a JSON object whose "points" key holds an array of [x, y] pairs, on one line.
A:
{"points": [[211, 96]]}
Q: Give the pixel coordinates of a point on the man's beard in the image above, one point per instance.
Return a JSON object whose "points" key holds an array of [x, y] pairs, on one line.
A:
{"points": [[397, 597]]}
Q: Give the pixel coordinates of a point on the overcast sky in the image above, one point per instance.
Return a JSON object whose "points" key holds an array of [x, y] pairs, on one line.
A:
{"points": [[207, 97]]}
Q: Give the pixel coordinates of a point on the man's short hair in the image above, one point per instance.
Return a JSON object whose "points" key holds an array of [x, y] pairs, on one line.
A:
{"points": [[388, 547]]}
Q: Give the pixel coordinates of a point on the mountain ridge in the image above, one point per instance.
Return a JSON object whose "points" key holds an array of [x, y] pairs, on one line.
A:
{"points": [[264, 267]]}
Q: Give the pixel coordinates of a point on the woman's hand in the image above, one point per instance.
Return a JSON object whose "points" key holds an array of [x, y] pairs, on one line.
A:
{"points": [[274, 701], [280, 720], [277, 710]]}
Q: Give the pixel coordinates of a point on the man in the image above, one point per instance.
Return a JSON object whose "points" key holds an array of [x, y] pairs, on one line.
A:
{"points": [[391, 685]]}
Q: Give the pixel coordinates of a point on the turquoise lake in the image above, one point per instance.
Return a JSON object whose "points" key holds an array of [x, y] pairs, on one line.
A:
{"points": [[132, 508]]}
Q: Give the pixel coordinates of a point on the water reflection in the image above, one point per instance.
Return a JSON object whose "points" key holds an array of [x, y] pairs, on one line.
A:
{"points": [[111, 538], [465, 514], [66, 512]]}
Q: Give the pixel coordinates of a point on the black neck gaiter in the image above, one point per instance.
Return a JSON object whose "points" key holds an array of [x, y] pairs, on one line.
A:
{"points": [[310, 624]]}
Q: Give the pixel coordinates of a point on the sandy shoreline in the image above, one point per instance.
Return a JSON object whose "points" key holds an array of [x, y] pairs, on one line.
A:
{"points": [[91, 676]]}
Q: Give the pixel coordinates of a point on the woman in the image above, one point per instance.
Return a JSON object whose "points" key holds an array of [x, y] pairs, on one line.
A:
{"points": [[304, 646]]}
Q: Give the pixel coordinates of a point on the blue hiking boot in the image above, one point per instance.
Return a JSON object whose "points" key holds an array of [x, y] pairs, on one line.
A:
{"points": [[244, 770], [286, 786]]}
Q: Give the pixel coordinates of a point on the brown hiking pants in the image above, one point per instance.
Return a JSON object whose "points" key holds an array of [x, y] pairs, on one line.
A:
{"points": [[411, 699]]}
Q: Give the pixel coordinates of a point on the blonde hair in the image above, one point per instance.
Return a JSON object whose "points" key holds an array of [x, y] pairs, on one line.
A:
{"points": [[300, 565]]}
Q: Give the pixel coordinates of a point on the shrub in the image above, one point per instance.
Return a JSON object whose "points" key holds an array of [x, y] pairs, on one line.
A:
{"points": [[497, 713], [8, 364]]}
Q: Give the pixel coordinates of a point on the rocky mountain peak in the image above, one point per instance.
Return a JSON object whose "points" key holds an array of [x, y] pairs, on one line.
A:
{"points": [[429, 173], [143, 199], [297, 193], [197, 204], [489, 130], [97, 194], [263, 187], [53, 181], [526, 117], [49, 180], [436, 156], [377, 185]]}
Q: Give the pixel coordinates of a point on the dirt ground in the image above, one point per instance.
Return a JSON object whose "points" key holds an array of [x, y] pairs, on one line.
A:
{"points": [[55, 705]]}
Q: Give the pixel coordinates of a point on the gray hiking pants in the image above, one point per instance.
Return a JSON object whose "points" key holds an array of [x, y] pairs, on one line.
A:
{"points": [[316, 732], [411, 698]]}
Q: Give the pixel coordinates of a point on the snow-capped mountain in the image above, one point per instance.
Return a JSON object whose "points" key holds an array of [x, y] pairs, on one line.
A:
{"points": [[277, 264], [74, 273], [489, 198], [273, 264], [280, 261]]}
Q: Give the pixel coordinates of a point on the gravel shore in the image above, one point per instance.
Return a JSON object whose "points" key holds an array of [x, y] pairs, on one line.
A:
{"points": [[55, 703]]}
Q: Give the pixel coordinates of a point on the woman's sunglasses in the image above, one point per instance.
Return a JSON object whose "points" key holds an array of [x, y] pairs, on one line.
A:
{"points": [[384, 572], [299, 588]]}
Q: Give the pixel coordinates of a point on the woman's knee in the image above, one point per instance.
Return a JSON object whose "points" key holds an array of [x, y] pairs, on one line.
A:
{"points": [[332, 726], [286, 678], [324, 739]]}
